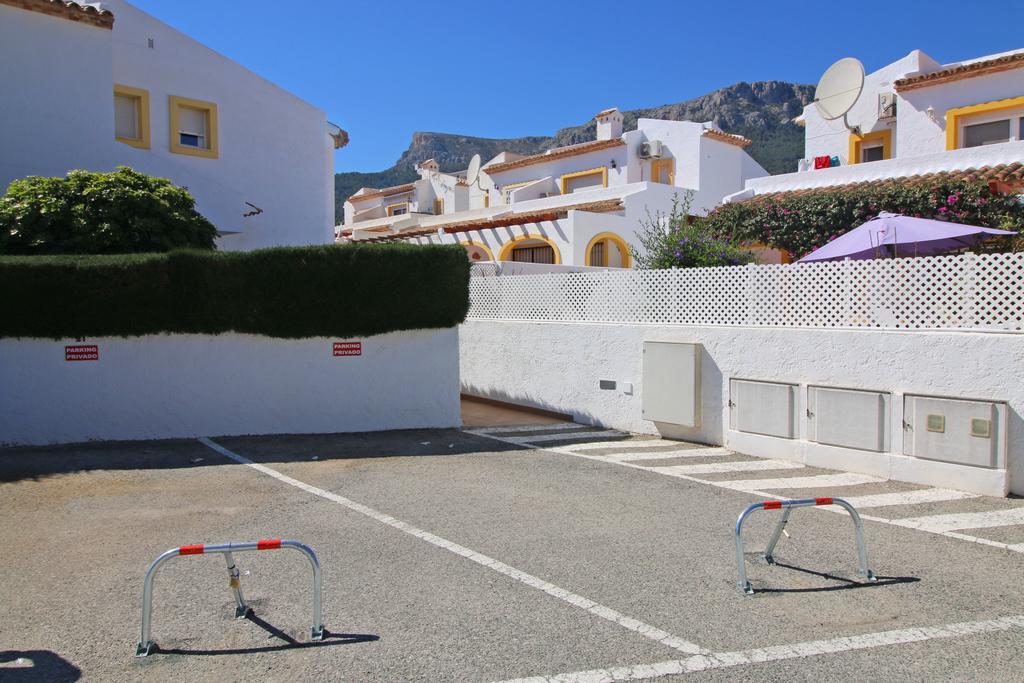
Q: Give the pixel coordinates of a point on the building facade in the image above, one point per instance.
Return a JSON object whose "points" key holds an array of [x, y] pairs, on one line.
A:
{"points": [[94, 86], [580, 205]]}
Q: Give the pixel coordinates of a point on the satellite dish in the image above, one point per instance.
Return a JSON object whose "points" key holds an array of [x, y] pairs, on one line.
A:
{"points": [[839, 89], [473, 173]]}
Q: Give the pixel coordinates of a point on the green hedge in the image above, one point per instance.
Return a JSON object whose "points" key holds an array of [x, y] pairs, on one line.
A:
{"points": [[292, 292]]}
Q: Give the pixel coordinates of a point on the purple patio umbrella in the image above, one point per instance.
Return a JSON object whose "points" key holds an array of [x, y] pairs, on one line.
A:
{"points": [[891, 235]]}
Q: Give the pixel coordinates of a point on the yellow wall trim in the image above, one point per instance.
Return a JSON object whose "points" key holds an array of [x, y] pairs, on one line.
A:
{"points": [[213, 150], [438, 206], [603, 170], [390, 208], [953, 116], [627, 258], [658, 164], [506, 249], [480, 245], [142, 142], [856, 143]]}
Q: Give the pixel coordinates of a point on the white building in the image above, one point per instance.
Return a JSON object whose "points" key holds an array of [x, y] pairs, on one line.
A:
{"points": [[917, 121], [98, 85], [579, 205]]}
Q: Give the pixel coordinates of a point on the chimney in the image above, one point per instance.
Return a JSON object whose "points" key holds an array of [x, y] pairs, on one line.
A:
{"points": [[609, 124]]}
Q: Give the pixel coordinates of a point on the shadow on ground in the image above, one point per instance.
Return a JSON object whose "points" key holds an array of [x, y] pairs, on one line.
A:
{"points": [[36, 665]]}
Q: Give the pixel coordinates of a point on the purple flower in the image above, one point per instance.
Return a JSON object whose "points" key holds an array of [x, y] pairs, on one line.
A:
{"points": [[943, 209]]}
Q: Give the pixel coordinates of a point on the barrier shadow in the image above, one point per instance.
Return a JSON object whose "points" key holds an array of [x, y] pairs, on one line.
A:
{"points": [[331, 639], [846, 584]]}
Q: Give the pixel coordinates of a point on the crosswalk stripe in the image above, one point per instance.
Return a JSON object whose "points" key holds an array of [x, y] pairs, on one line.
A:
{"points": [[665, 455], [527, 428], [908, 498], [642, 443], [713, 467], [963, 520], [541, 438], [813, 481]]}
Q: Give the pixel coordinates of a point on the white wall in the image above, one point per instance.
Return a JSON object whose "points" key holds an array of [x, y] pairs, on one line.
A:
{"points": [[57, 105], [557, 366], [274, 147], [179, 386]]}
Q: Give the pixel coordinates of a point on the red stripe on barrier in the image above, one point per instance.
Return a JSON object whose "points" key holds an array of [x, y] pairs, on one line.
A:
{"points": [[197, 549], [772, 505], [268, 544], [822, 501]]}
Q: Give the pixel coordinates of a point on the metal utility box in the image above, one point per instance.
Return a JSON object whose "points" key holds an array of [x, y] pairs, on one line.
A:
{"points": [[767, 408], [671, 388], [960, 431], [851, 418]]}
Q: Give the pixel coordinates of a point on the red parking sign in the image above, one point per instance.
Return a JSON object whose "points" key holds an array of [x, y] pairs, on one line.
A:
{"points": [[81, 352], [348, 348]]}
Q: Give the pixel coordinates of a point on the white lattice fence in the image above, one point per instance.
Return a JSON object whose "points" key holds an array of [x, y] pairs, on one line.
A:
{"points": [[945, 292]]}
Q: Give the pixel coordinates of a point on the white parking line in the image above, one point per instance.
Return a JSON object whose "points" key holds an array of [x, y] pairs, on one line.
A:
{"points": [[908, 498], [646, 443], [963, 520], [721, 660], [541, 438], [526, 428], [597, 609], [666, 455], [716, 467], [816, 481]]}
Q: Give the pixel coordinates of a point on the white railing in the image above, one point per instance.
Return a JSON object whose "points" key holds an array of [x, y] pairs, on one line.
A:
{"points": [[967, 291]]}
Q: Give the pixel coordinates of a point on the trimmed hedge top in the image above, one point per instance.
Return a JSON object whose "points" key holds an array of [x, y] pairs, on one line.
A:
{"points": [[290, 292]]}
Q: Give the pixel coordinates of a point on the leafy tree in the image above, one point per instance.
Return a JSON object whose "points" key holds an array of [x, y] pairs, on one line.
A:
{"points": [[680, 240], [100, 213]]}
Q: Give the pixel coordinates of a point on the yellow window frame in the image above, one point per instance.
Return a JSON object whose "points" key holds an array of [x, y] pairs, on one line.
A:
{"points": [[953, 116], [438, 206], [176, 104], [507, 189], [143, 141], [564, 180], [606, 237], [857, 144], [390, 208], [506, 249], [658, 164]]}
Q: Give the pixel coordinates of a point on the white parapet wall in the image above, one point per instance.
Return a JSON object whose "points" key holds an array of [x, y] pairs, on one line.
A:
{"points": [[179, 386], [908, 330], [559, 367]]}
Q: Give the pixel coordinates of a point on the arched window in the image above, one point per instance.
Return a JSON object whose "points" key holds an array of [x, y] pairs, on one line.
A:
{"points": [[608, 250], [478, 252], [531, 249]]}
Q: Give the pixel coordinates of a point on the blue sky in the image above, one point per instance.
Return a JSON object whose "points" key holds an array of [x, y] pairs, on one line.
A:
{"points": [[385, 69]]}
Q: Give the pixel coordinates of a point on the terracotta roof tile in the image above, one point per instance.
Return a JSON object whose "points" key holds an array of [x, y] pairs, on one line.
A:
{"points": [[1006, 174], [491, 222], [383, 192], [557, 153], [730, 138], [955, 73], [65, 9]]}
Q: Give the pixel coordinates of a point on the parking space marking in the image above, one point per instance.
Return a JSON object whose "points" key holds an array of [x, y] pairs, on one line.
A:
{"points": [[721, 660], [595, 608], [527, 428], [908, 498], [741, 486], [666, 455], [718, 467], [541, 438], [963, 520], [816, 481]]}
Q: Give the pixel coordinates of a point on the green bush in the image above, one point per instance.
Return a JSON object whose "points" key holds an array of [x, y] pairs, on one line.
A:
{"points": [[100, 213], [681, 240], [802, 223], [291, 292]]}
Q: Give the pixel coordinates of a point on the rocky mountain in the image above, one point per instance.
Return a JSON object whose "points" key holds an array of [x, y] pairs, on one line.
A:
{"points": [[761, 111]]}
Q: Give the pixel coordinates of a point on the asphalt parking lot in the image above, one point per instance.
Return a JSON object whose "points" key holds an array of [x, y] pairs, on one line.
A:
{"points": [[498, 555]]}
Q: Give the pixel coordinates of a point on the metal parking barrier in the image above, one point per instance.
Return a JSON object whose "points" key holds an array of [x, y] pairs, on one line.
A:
{"points": [[787, 507], [316, 632]]}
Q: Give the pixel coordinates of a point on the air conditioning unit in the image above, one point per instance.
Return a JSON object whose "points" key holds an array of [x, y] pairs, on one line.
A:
{"points": [[651, 149], [886, 105]]}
